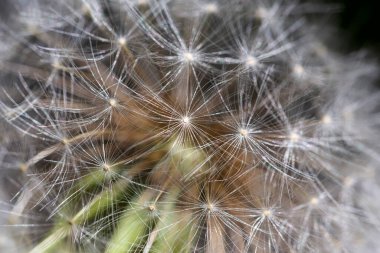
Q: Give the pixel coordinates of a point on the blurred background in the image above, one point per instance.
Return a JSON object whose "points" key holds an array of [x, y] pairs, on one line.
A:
{"points": [[359, 21]]}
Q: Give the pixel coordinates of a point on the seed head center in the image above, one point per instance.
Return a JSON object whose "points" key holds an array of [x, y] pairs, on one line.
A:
{"points": [[314, 201], [106, 167], [152, 207], [251, 61], [326, 119], [210, 207], [243, 132], [298, 70], [267, 213], [189, 57], [294, 137], [122, 41], [261, 13], [113, 102], [186, 120]]}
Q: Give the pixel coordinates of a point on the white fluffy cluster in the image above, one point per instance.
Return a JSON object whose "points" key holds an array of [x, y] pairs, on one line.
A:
{"points": [[185, 126]]}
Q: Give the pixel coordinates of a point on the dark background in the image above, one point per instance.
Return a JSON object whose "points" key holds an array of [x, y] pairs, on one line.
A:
{"points": [[359, 21]]}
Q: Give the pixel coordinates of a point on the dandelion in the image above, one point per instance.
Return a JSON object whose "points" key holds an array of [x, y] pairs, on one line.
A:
{"points": [[184, 126]]}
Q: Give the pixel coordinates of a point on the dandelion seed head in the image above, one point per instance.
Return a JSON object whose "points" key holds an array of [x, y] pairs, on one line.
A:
{"points": [[23, 167], [85, 9], [348, 181], [186, 120], [122, 41], [251, 61], [106, 167], [314, 201], [211, 7], [152, 207], [267, 213], [113, 102], [243, 132], [294, 137], [142, 2], [326, 119], [210, 207], [188, 57], [298, 70], [261, 13], [206, 151], [70, 222]]}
